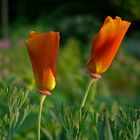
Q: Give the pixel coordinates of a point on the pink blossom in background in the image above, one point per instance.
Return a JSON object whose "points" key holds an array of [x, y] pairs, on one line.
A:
{"points": [[5, 43]]}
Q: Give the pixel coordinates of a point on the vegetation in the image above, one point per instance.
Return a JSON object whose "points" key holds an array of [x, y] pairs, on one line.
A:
{"points": [[112, 114]]}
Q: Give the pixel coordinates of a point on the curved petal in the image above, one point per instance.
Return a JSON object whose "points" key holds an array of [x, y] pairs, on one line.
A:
{"points": [[43, 52], [106, 43], [33, 34]]}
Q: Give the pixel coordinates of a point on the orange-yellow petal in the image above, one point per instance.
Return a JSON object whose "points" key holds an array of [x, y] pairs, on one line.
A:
{"points": [[43, 52], [106, 43], [47, 82]]}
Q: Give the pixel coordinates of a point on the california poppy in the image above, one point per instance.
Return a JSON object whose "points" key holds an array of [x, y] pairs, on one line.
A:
{"points": [[43, 52], [105, 45]]}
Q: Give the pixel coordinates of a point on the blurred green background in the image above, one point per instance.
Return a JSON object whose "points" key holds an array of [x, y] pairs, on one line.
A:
{"points": [[77, 21]]}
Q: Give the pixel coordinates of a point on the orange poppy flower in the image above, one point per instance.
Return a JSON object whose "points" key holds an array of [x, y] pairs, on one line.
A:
{"points": [[43, 52], [105, 45]]}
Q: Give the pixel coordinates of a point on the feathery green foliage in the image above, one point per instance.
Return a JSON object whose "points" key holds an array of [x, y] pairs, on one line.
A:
{"points": [[98, 125], [16, 104]]}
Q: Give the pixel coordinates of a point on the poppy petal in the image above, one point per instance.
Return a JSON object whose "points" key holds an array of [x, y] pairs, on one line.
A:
{"points": [[106, 43], [43, 52]]}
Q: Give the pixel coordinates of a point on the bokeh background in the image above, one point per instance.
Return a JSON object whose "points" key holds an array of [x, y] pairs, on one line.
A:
{"points": [[77, 21]]}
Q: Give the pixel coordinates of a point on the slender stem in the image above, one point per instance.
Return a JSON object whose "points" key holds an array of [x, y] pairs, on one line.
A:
{"points": [[42, 98], [93, 80], [107, 128], [86, 92]]}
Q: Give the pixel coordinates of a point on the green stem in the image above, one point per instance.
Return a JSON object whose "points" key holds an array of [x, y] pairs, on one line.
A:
{"points": [[93, 80], [86, 92], [107, 128], [42, 98]]}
